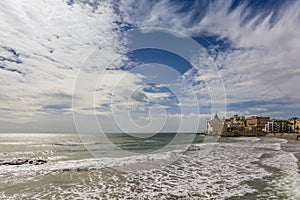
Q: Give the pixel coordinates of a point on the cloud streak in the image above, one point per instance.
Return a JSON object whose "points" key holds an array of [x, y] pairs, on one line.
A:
{"points": [[255, 46], [42, 47]]}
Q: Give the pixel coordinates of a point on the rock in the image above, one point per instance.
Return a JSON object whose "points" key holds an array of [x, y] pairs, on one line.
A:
{"points": [[24, 161]]}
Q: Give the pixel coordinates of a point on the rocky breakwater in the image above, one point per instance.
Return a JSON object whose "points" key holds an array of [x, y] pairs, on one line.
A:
{"points": [[23, 162]]}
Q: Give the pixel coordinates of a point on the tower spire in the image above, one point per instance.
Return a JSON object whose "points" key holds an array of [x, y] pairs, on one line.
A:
{"points": [[216, 116]]}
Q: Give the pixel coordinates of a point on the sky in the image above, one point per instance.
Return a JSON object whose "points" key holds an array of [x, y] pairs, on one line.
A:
{"points": [[145, 66]]}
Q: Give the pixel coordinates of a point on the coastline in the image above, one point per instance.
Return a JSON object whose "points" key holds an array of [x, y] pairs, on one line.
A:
{"points": [[288, 136], [292, 146]]}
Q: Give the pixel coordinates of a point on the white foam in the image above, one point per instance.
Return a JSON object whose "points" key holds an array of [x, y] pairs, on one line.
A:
{"points": [[254, 139], [221, 174], [16, 143], [289, 183]]}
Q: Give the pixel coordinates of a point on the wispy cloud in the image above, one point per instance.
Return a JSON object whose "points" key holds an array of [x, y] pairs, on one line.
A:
{"points": [[259, 61], [44, 44], [42, 47]]}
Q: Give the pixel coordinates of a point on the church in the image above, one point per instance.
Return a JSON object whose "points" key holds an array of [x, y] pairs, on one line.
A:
{"points": [[214, 126]]}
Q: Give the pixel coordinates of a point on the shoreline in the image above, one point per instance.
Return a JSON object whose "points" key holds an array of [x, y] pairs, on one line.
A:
{"points": [[292, 146], [288, 136]]}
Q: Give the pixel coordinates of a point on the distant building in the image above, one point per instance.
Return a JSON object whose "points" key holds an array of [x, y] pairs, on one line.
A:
{"points": [[294, 125], [256, 123], [214, 126], [235, 123], [252, 126], [284, 126], [277, 126]]}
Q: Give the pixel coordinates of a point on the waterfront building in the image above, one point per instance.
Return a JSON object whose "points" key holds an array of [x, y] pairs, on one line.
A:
{"points": [[256, 123], [235, 123], [252, 126], [214, 126], [277, 126], [294, 125]]}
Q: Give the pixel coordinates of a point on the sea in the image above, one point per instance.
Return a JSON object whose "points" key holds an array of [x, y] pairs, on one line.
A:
{"points": [[91, 168]]}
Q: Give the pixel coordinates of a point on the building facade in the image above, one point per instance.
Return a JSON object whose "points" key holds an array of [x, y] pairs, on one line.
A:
{"points": [[214, 126], [235, 123], [256, 123], [277, 126], [294, 125]]}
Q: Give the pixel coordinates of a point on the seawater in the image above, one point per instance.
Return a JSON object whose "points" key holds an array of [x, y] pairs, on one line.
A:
{"points": [[233, 168]]}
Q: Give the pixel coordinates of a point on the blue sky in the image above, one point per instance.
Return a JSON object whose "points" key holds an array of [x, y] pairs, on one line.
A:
{"points": [[66, 60]]}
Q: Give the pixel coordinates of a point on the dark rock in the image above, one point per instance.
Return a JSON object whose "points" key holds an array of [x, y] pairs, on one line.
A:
{"points": [[24, 161]]}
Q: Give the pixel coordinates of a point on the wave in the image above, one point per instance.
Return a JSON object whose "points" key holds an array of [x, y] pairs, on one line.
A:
{"points": [[17, 143], [228, 169], [77, 144]]}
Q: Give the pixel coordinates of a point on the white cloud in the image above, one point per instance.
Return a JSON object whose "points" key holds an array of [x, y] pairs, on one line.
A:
{"points": [[44, 43], [260, 64], [50, 40]]}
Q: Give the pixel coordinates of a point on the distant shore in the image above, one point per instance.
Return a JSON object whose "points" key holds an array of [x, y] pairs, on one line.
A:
{"points": [[289, 136]]}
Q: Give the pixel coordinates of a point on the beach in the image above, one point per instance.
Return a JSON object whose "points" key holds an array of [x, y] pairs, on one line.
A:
{"points": [[233, 168]]}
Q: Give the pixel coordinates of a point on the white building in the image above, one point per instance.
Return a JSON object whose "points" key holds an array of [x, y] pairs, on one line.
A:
{"points": [[272, 127], [277, 126], [214, 126]]}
